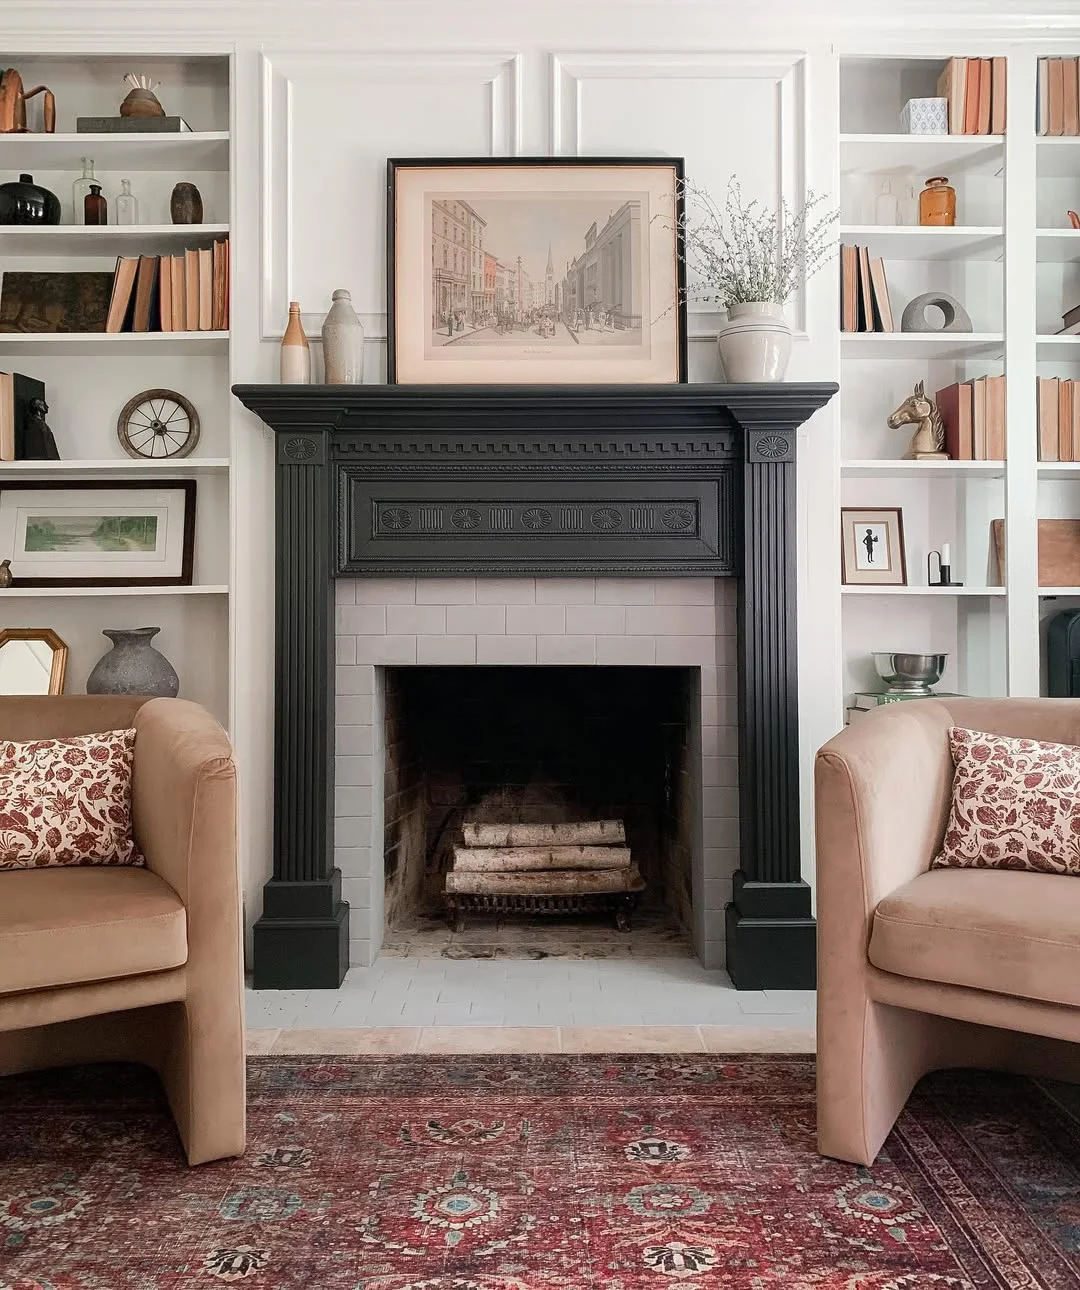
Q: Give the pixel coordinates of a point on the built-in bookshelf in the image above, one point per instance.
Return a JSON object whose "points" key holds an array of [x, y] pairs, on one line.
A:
{"points": [[90, 376], [1013, 261]]}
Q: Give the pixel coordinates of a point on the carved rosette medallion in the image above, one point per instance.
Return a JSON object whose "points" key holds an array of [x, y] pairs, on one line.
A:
{"points": [[771, 446]]}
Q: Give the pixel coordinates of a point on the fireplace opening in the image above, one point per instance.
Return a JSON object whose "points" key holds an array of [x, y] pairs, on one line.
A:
{"points": [[607, 756]]}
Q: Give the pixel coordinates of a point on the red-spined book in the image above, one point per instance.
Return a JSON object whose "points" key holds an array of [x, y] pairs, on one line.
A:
{"points": [[954, 404]]}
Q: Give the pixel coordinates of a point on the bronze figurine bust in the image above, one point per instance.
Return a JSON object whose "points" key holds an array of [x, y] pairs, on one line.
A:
{"points": [[38, 441]]}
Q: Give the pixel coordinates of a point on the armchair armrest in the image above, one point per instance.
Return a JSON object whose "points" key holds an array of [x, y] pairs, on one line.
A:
{"points": [[883, 787], [184, 798]]}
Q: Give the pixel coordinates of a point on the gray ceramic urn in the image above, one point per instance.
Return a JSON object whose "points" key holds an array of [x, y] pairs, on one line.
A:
{"points": [[133, 666]]}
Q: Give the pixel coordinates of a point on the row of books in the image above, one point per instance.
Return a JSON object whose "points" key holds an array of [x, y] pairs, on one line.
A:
{"points": [[974, 89], [973, 413], [16, 392], [185, 292], [1058, 110], [1059, 419], [866, 701], [864, 292]]}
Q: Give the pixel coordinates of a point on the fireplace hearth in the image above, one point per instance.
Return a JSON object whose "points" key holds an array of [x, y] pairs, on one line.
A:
{"points": [[540, 482]]}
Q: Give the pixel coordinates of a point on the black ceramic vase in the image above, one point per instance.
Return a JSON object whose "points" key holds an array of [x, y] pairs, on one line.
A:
{"points": [[185, 205], [24, 202]]}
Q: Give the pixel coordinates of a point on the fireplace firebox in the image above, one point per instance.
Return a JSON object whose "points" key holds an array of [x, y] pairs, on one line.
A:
{"points": [[556, 481]]}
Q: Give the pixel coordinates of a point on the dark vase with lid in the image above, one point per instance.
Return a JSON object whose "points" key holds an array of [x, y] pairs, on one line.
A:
{"points": [[24, 202]]}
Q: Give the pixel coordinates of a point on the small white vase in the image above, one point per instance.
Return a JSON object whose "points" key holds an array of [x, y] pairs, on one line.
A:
{"points": [[755, 343], [343, 343]]}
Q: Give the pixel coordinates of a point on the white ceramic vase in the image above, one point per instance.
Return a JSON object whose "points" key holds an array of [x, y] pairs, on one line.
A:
{"points": [[755, 343], [343, 343]]}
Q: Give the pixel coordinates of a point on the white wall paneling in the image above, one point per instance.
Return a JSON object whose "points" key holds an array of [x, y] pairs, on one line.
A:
{"points": [[727, 112], [330, 119]]}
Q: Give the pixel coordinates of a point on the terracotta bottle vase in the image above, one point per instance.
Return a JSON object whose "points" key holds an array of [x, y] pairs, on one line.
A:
{"points": [[295, 354]]}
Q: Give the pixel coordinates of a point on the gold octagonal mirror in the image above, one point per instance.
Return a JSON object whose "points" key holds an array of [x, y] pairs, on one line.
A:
{"points": [[32, 661]]}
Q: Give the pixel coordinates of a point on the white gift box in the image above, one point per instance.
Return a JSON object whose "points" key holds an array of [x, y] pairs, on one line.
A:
{"points": [[925, 116]]}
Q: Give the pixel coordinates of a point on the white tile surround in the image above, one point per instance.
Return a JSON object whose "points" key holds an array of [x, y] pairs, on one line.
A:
{"points": [[395, 622]]}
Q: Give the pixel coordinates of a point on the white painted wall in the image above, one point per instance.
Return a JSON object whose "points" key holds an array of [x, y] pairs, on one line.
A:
{"points": [[324, 91]]}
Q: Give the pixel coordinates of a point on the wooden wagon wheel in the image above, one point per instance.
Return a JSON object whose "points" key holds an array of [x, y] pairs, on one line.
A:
{"points": [[158, 424]]}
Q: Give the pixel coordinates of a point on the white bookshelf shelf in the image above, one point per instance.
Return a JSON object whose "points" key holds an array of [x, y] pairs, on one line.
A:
{"points": [[1057, 156], [932, 153], [182, 151], [921, 344], [1059, 469], [1057, 245], [1061, 349], [108, 240], [206, 589], [910, 242], [99, 344], [1059, 591], [117, 466], [923, 591], [924, 469]]}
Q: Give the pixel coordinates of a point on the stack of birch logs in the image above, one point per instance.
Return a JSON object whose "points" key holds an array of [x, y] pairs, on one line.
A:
{"points": [[572, 859]]}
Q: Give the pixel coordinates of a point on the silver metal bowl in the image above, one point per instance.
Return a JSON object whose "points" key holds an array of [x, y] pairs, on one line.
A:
{"points": [[909, 673]]}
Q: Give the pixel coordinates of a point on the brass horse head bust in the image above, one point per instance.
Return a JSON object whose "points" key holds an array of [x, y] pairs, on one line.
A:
{"points": [[13, 104], [920, 410]]}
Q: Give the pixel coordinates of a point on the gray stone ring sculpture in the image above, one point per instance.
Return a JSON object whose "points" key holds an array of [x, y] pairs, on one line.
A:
{"points": [[914, 317]]}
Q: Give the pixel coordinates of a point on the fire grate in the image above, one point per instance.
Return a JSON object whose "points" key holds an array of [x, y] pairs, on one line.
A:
{"points": [[619, 904]]}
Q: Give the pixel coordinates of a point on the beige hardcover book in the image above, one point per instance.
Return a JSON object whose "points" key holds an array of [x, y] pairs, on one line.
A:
{"points": [[1065, 392], [191, 291], [179, 293], [1048, 414], [951, 86], [998, 84], [1057, 96], [206, 290], [165, 293], [978, 419], [882, 307], [1070, 123]]}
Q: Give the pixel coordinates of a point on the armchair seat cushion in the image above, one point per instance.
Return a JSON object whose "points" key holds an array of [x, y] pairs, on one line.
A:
{"points": [[61, 926], [1007, 931]]}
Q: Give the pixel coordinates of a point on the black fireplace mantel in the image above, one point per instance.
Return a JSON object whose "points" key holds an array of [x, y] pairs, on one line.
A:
{"points": [[679, 480]]}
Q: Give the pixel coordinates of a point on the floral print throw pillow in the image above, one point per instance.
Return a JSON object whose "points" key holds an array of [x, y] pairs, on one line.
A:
{"points": [[67, 801], [1015, 805]]}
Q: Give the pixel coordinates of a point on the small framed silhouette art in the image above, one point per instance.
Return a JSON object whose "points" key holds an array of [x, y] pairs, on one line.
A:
{"points": [[872, 547]]}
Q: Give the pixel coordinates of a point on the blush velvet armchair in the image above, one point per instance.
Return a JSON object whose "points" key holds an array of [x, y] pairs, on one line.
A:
{"points": [[921, 969], [123, 963]]}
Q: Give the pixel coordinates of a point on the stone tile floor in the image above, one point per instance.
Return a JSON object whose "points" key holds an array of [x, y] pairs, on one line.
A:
{"points": [[532, 1005]]}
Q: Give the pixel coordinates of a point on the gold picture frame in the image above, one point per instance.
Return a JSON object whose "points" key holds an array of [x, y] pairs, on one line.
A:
{"points": [[50, 641]]}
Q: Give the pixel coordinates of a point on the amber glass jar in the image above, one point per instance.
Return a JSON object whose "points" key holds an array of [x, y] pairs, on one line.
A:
{"points": [[937, 203], [95, 208]]}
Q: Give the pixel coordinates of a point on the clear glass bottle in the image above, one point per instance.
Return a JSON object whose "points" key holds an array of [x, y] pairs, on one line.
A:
{"points": [[909, 201], [80, 190], [937, 203], [886, 207], [127, 204]]}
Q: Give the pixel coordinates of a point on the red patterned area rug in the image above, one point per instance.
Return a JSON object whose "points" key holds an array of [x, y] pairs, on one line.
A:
{"points": [[535, 1173]]}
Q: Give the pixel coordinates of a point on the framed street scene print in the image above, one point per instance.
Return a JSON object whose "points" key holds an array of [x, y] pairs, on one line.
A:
{"points": [[535, 270], [98, 535], [872, 547]]}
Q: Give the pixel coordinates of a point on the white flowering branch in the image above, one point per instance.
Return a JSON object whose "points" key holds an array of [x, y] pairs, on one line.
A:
{"points": [[745, 252]]}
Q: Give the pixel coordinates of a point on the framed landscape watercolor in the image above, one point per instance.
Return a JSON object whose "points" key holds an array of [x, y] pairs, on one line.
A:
{"points": [[872, 547], [98, 535], [535, 270]]}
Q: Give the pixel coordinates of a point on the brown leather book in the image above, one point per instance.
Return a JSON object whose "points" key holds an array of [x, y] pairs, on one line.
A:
{"points": [[1057, 96], [1075, 420], [206, 289], [1048, 418], [954, 404], [1065, 414], [179, 293], [985, 97], [120, 301], [971, 97], [220, 318], [191, 291], [1070, 112], [849, 288], [998, 95], [995, 418], [146, 316], [7, 416]]}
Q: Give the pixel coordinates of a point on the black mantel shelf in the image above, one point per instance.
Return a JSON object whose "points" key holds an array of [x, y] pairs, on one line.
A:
{"points": [[683, 480]]}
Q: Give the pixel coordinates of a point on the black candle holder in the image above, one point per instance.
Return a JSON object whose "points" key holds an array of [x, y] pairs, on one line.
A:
{"points": [[944, 578]]}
